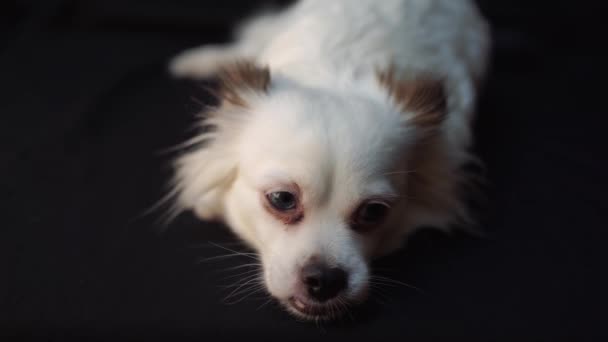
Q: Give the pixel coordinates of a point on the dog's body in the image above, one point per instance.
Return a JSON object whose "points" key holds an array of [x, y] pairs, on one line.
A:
{"points": [[344, 111]]}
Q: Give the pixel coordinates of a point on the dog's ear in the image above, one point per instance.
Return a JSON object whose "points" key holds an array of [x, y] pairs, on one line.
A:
{"points": [[422, 99], [238, 78], [206, 171]]}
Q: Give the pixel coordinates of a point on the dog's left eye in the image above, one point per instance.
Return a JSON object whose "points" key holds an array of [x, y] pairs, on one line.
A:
{"points": [[369, 214], [282, 200]]}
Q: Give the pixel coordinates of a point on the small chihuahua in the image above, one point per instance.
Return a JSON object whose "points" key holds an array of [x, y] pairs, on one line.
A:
{"points": [[342, 127]]}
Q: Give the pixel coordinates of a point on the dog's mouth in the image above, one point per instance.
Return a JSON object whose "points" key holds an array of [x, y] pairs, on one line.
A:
{"points": [[310, 310]]}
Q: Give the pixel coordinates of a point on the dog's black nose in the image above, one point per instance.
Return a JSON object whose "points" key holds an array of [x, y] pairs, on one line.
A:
{"points": [[323, 282]]}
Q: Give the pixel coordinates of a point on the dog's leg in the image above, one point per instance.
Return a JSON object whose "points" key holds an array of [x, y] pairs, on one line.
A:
{"points": [[203, 62]]}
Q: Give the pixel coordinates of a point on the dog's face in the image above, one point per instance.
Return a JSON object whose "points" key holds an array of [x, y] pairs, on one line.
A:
{"points": [[313, 179]]}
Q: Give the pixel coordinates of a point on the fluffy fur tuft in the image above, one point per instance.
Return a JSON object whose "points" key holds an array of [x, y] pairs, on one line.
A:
{"points": [[423, 96], [242, 76]]}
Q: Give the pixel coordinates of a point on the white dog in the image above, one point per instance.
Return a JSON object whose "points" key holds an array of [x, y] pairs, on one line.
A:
{"points": [[343, 126]]}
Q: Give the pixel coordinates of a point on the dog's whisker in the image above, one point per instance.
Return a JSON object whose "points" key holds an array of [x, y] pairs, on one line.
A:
{"points": [[245, 273], [241, 282], [338, 310], [253, 264], [249, 255], [252, 280], [387, 279], [242, 295], [264, 304], [378, 288], [380, 297], [331, 308], [244, 290], [238, 284], [381, 280], [380, 294], [248, 269], [209, 245], [386, 284], [344, 311], [346, 307], [319, 323], [220, 257], [245, 293]]}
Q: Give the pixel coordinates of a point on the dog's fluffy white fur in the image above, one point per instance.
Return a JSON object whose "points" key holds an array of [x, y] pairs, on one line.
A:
{"points": [[337, 103]]}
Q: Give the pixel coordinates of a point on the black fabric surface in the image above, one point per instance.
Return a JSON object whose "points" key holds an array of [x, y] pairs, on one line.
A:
{"points": [[86, 106]]}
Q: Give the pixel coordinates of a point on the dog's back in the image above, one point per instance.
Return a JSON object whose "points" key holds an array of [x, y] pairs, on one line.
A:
{"points": [[416, 35], [330, 43]]}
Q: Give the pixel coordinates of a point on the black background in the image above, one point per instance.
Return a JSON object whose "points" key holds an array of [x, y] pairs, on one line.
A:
{"points": [[86, 105]]}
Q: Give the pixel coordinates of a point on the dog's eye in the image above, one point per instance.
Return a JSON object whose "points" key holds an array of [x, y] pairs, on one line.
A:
{"points": [[370, 214], [282, 200]]}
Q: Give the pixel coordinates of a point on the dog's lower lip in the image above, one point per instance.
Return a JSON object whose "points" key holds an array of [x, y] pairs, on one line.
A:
{"points": [[308, 309], [303, 307], [298, 304]]}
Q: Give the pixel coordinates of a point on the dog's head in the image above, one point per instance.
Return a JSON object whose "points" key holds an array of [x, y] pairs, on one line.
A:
{"points": [[316, 180]]}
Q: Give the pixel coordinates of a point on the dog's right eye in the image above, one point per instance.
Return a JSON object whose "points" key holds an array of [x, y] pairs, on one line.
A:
{"points": [[282, 200]]}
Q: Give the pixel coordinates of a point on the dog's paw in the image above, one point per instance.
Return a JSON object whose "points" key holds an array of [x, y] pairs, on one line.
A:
{"points": [[199, 62]]}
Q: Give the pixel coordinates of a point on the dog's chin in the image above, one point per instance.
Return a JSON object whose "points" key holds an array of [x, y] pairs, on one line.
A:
{"points": [[309, 310]]}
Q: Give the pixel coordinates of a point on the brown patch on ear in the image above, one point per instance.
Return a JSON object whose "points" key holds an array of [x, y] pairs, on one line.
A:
{"points": [[433, 177], [242, 76], [424, 96], [436, 188]]}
